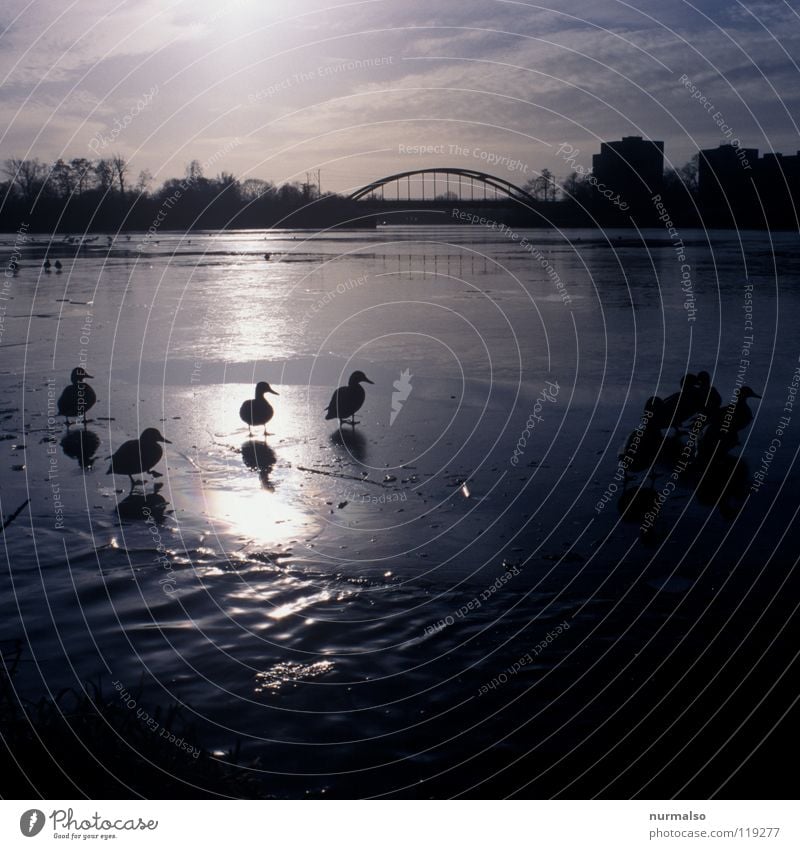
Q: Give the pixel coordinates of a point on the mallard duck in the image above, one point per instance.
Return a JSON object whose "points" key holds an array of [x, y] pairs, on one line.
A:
{"points": [[138, 456], [346, 401], [722, 431], [738, 415], [708, 395], [676, 408], [257, 410]]}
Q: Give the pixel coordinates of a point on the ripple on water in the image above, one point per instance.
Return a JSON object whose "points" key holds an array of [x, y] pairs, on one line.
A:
{"points": [[281, 674]]}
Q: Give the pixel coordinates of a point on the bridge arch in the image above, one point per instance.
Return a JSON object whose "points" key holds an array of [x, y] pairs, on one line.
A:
{"points": [[498, 185]]}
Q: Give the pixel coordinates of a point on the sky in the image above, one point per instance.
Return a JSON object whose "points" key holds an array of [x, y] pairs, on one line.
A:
{"points": [[276, 89]]}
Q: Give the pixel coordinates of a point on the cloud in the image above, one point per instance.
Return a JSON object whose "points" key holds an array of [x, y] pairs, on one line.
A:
{"points": [[292, 79]]}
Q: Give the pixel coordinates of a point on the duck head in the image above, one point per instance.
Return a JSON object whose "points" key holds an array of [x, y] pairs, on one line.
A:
{"points": [[747, 392], [79, 374], [654, 405], [358, 377], [153, 434], [263, 387]]}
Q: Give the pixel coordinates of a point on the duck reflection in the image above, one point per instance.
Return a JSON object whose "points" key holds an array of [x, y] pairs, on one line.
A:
{"points": [[259, 457], [142, 507], [646, 443], [81, 445], [724, 481], [634, 503], [644, 451], [352, 441], [698, 457], [637, 504]]}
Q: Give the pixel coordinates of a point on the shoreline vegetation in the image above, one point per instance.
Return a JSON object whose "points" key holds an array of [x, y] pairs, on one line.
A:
{"points": [[90, 742], [90, 196]]}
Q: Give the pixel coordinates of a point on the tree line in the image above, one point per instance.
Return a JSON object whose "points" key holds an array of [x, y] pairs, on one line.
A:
{"points": [[545, 187], [82, 194]]}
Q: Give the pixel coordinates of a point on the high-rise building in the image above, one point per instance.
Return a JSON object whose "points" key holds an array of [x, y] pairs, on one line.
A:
{"points": [[725, 184], [633, 169], [777, 180]]}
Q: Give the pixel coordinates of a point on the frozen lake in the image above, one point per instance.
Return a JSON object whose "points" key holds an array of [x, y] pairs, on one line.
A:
{"points": [[338, 603]]}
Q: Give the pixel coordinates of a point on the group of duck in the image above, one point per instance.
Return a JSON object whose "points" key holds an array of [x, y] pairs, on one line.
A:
{"points": [[697, 405], [345, 402], [140, 456], [47, 266], [705, 432]]}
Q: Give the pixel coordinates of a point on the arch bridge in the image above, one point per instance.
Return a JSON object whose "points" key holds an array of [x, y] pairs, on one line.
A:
{"points": [[443, 185]]}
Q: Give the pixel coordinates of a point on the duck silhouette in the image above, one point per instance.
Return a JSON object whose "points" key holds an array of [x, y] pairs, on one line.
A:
{"points": [[138, 456], [346, 401], [741, 415], [46, 265], [257, 410], [708, 396], [676, 408], [636, 504], [78, 397], [644, 444], [722, 431], [58, 265]]}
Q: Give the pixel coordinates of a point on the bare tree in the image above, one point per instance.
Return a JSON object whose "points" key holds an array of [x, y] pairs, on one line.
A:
{"points": [[194, 171], [119, 169], [226, 180], [143, 181], [542, 187], [688, 174], [62, 178], [577, 189], [104, 171], [28, 175], [535, 187], [253, 188], [572, 186], [82, 173], [550, 188]]}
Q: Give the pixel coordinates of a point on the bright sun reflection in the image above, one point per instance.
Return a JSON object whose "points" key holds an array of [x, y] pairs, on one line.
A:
{"points": [[258, 515], [241, 482]]}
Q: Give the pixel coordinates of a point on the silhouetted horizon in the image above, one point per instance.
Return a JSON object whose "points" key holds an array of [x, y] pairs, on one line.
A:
{"points": [[628, 185]]}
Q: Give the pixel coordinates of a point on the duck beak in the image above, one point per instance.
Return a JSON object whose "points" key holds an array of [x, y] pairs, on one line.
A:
{"points": [[367, 380], [272, 391], [756, 396], [164, 439], [85, 374]]}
